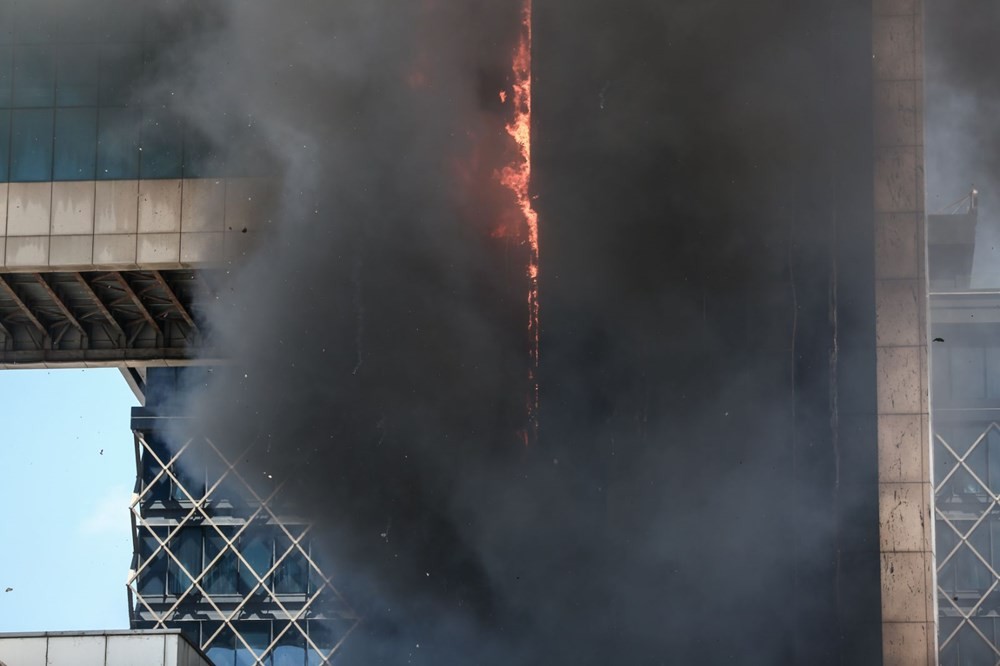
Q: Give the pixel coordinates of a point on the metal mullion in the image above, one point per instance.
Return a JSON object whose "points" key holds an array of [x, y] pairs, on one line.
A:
{"points": [[265, 504], [327, 582], [962, 539], [979, 481], [954, 469], [274, 597], [163, 468], [171, 474], [159, 620], [196, 580], [979, 603], [305, 634], [955, 631], [277, 638], [985, 640], [187, 573], [966, 619], [196, 508], [343, 638], [979, 556], [281, 559], [239, 556], [231, 545], [295, 620], [170, 535]]}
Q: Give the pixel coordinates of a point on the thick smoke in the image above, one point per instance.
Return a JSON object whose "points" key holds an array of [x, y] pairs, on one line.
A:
{"points": [[684, 502], [962, 134]]}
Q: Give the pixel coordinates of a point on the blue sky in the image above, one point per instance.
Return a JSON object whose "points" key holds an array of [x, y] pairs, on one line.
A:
{"points": [[65, 546]]}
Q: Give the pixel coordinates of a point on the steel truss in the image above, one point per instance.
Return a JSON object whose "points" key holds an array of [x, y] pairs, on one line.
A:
{"points": [[108, 318], [965, 504], [232, 509]]}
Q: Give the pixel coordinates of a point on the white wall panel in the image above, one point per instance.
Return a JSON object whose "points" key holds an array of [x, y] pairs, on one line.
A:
{"points": [[119, 224], [160, 206], [135, 650], [85, 649], [117, 207], [26, 650], [27, 251], [73, 207], [71, 250], [29, 207], [203, 204], [159, 249]]}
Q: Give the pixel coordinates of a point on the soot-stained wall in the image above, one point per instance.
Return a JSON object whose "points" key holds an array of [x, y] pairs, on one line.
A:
{"points": [[703, 175], [704, 484]]}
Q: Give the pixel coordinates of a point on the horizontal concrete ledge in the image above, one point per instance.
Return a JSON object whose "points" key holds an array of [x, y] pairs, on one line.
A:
{"points": [[131, 224], [145, 358]]}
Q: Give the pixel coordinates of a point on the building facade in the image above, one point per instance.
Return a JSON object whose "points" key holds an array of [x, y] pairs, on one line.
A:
{"points": [[113, 207], [218, 554], [965, 404]]}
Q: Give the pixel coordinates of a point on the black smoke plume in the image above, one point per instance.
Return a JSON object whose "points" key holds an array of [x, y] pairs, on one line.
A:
{"points": [[962, 134], [702, 488]]}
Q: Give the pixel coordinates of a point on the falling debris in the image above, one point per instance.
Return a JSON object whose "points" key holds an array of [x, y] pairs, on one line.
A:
{"points": [[938, 339], [9, 589]]}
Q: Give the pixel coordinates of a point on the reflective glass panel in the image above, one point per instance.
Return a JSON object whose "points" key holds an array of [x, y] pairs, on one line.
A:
{"points": [[4, 145], [76, 73], [31, 144], [6, 69], [34, 76], [75, 144], [118, 143], [160, 146]]}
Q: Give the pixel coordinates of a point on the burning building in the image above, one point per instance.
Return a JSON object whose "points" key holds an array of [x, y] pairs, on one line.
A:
{"points": [[523, 333]]}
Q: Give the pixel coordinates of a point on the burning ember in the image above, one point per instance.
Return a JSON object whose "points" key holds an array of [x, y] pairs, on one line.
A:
{"points": [[517, 178]]}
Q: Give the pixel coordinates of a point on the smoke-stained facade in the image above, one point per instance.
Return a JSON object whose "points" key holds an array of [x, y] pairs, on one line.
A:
{"points": [[729, 197], [221, 556]]}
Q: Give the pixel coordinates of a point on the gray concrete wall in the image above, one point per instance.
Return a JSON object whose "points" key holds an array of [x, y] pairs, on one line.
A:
{"points": [[905, 491]]}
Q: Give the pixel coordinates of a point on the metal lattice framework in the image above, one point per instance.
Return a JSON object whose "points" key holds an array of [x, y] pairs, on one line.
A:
{"points": [[108, 318], [962, 513], [162, 611]]}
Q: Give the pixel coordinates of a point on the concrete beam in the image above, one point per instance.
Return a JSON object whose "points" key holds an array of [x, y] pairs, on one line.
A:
{"points": [[130, 224]]}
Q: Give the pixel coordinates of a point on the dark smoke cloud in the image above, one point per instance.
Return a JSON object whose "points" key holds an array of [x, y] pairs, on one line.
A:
{"points": [[962, 133], [680, 505]]}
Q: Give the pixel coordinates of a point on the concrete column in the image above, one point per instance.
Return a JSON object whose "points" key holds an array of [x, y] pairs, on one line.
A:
{"points": [[909, 613]]}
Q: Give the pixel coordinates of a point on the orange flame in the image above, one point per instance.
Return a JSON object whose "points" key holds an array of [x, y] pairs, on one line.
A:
{"points": [[517, 178]]}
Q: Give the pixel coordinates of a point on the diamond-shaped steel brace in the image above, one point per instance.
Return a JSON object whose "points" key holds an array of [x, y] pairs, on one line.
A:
{"points": [[197, 507], [963, 539]]}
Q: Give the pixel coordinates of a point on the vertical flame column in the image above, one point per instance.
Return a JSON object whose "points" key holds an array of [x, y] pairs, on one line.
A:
{"points": [[905, 492], [516, 177]]}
